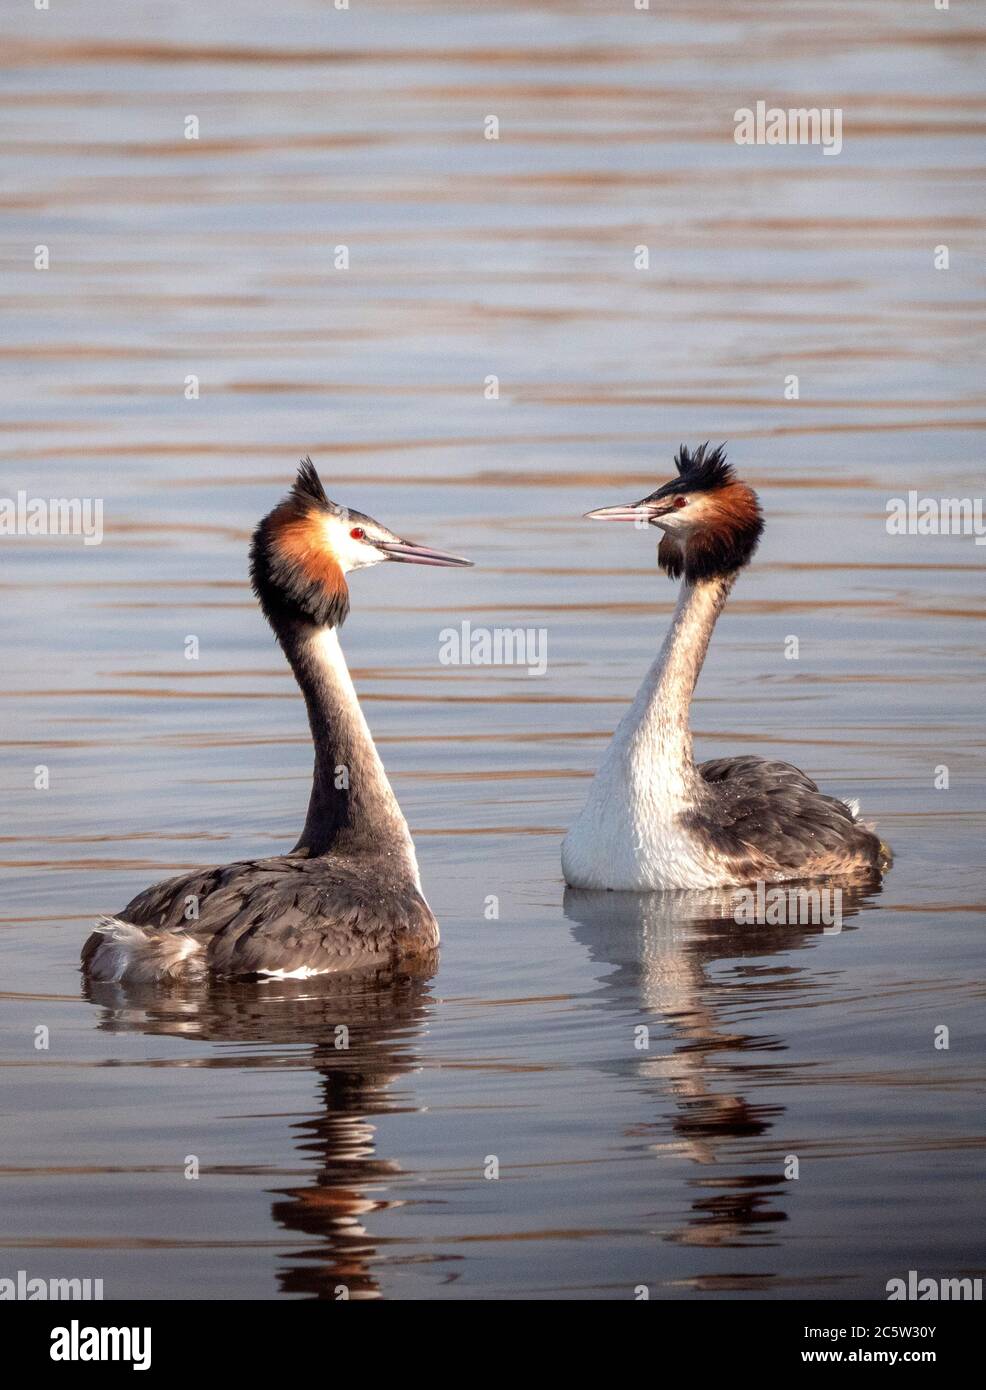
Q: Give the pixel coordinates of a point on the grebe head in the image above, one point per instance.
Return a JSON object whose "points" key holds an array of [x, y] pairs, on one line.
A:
{"points": [[302, 551], [711, 520]]}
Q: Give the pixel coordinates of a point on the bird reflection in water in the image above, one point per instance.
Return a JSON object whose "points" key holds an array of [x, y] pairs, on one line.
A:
{"points": [[663, 946], [384, 1013]]}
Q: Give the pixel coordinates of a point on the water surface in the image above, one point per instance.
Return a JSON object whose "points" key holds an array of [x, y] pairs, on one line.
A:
{"points": [[363, 1168]]}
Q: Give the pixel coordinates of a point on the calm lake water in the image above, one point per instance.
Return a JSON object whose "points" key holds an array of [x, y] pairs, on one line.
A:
{"points": [[469, 258]]}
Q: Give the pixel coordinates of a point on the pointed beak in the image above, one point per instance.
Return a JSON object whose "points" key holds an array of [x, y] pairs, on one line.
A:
{"points": [[631, 511], [410, 554]]}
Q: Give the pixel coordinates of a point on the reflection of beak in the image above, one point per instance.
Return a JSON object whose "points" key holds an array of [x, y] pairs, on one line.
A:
{"points": [[633, 511], [410, 554]]}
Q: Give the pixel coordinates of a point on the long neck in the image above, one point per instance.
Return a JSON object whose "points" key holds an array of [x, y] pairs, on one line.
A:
{"points": [[352, 807], [658, 731]]}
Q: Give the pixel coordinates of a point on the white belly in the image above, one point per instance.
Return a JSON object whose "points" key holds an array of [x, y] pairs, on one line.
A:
{"points": [[609, 855], [629, 836]]}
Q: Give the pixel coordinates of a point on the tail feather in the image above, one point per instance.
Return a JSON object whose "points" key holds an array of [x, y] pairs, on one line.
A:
{"points": [[885, 856], [119, 951]]}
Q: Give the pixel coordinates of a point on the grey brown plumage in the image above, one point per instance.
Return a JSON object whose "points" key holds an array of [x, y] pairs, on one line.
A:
{"points": [[262, 916], [771, 821]]}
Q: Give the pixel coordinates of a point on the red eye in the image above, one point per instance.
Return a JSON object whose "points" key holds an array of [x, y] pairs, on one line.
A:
{"points": [[357, 533], [680, 502]]}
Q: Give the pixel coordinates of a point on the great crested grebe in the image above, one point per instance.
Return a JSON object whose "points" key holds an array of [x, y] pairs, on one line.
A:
{"points": [[654, 820], [348, 896]]}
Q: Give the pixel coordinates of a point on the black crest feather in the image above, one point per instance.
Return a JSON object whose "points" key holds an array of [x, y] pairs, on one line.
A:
{"points": [[307, 487], [703, 471]]}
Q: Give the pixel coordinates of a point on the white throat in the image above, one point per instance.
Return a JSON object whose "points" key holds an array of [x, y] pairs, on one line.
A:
{"points": [[351, 787], [627, 836]]}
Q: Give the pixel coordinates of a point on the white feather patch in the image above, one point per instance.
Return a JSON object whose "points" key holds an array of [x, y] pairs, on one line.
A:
{"points": [[141, 955]]}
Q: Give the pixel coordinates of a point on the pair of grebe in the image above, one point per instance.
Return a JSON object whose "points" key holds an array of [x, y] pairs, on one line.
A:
{"points": [[348, 896]]}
